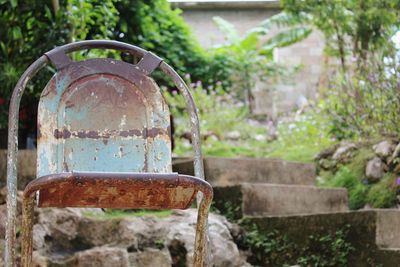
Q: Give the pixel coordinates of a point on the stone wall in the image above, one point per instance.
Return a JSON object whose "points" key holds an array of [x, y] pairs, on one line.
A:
{"points": [[271, 99], [373, 234]]}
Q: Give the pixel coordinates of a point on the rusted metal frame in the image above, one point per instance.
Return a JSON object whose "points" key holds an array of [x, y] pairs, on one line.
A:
{"points": [[13, 126], [199, 257], [182, 87], [12, 157], [103, 44], [27, 229], [72, 190], [194, 118], [196, 143], [201, 251]]}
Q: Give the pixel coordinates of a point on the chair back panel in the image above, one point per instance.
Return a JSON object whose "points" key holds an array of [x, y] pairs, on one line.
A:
{"points": [[103, 115]]}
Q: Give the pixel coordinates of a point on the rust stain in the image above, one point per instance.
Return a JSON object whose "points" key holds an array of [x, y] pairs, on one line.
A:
{"points": [[118, 190], [106, 134]]}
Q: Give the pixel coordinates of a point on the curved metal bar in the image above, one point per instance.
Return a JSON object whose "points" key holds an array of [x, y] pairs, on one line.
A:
{"points": [[203, 204], [100, 44], [12, 157], [194, 118]]}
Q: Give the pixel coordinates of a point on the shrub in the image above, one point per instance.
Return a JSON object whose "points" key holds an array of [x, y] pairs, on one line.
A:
{"points": [[220, 117], [383, 194], [26, 24], [347, 178]]}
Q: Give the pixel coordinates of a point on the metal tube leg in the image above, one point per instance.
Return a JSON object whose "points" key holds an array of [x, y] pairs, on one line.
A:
{"points": [[200, 258], [26, 229]]}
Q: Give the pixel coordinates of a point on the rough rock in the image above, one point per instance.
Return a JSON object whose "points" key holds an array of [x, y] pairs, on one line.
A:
{"points": [[384, 149], [150, 257], [375, 169], [234, 135], [3, 215], [224, 250], [344, 152], [66, 237], [327, 164], [3, 195], [101, 256], [396, 151], [326, 153], [2, 247]]}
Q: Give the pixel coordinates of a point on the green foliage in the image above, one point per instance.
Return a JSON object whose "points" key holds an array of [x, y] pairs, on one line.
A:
{"points": [[345, 177], [251, 55], [227, 209], [30, 28], [366, 103], [276, 249], [301, 137], [155, 26], [383, 194], [354, 27], [220, 115], [152, 25], [380, 194], [362, 98]]}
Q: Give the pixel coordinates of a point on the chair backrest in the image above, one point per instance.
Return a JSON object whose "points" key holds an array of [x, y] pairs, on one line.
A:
{"points": [[103, 115]]}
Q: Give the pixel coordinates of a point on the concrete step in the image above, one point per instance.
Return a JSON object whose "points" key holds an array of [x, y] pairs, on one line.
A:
{"points": [[230, 171], [276, 199], [374, 234]]}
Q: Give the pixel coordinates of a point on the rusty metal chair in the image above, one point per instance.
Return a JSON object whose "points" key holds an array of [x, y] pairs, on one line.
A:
{"points": [[103, 141]]}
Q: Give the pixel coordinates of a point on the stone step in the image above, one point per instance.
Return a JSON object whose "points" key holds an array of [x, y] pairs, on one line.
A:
{"points": [[230, 171], [374, 234], [276, 199]]}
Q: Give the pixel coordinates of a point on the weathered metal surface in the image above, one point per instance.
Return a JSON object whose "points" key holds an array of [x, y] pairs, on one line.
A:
{"points": [[117, 190], [103, 115], [9, 257], [150, 130], [201, 257], [28, 203]]}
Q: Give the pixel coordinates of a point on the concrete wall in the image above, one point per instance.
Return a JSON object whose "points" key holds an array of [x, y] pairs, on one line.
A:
{"points": [[373, 233], [271, 99]]}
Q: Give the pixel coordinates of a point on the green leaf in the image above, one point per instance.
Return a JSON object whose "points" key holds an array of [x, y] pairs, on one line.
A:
{"points": [[16, 33], [250, 41], [285, 19], [228, 29], [14, 3], [48, 13], [288, 37]]}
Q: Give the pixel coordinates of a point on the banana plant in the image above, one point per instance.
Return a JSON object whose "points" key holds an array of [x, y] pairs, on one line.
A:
{"points": [[251, 55]]}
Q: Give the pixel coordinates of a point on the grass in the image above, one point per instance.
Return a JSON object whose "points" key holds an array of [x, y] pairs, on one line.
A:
{"points": [[118, 214], [381, 194]]}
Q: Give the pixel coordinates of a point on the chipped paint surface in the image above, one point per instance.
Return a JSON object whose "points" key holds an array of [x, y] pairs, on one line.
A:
{"points": [[92, 119]]}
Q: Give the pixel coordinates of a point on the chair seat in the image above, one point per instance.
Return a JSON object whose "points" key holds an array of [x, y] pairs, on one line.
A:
{"points": [[117, 190]]}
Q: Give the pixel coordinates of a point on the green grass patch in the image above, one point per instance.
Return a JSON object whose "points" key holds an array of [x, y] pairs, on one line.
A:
{"points": [[383, 193], [346, 177], [117, 214]]}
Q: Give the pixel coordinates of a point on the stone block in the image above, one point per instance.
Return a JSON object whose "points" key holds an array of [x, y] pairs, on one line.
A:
{"points": [[275, 199], [230, 171]]}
